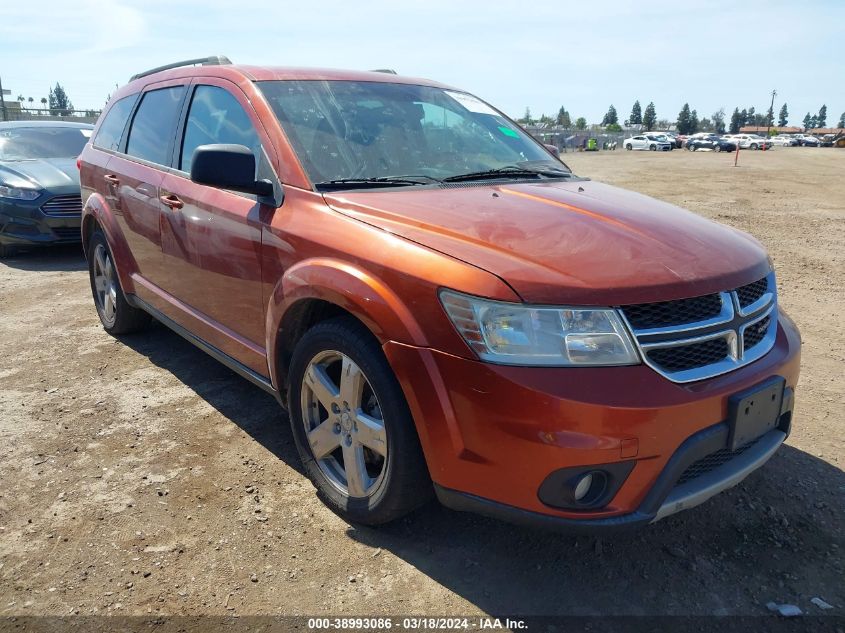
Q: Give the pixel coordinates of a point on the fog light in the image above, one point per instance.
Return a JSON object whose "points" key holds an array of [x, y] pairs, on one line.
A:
{"points": [[585, 482]]}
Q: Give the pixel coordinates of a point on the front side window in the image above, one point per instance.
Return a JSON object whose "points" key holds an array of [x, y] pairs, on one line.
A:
{"points": [[111, 129], [28, 143], [154, 125], [345, 130], [216, 117]]}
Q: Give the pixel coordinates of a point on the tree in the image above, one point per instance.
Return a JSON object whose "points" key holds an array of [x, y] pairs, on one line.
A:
{"points": [[718, 121], [841, 120], [563, 118], [580, 123], [736, 122], [783, 117], [611, 117], [821, 118], [30, 100], [807, 121], [636, 117], [43, 102], [649, 117], [613, 127], [21, 98], [770, 117], [683, 123], [693, 122], [60, 104]]}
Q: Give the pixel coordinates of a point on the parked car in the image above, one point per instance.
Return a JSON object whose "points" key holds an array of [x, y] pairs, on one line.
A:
{"points": [[808, 140], [751, 141], [440, 303], [40, 202], [712, 142], [783, 140], [646, 142]]}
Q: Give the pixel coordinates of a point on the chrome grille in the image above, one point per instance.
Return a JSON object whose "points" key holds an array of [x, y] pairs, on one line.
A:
{"points": [[63, 206], [693, 339], [750, 293], [690, 356], [663, 313]]}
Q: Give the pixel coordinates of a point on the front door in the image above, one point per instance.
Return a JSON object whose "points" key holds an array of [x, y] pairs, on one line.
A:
{"points": [[211, 238]]}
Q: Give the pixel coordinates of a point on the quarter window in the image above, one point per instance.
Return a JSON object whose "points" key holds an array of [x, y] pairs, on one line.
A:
{"points": [[154, 125], [216, 117], [111, 130]]}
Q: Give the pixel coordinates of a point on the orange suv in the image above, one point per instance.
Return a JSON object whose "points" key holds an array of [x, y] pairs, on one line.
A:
{"points": [[438, 301]]}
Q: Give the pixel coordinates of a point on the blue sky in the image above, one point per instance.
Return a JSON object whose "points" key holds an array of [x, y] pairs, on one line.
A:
{"points": [[582, 55]]}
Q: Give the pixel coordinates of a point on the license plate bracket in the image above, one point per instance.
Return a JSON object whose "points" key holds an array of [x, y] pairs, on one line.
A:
{"points": [[754, 412]]}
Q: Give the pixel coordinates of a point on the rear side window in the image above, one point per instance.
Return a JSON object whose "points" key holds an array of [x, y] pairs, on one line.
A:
{"points": [[154, 125], [111, 130], [216, 117]]}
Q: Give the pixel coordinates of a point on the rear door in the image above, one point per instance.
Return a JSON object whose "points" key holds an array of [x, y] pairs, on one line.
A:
{"points": [[211, 238], [134, 175]]}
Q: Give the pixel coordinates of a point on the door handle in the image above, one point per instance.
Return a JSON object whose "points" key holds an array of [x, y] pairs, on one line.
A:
{"points": [[111, 179], [171, 201]]}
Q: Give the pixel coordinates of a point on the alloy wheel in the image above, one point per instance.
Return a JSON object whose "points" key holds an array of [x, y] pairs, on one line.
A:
{"points": [[105, 284], [344, 424]]}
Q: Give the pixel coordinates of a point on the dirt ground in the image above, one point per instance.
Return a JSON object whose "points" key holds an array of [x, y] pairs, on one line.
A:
{"points": [[140, 476]]}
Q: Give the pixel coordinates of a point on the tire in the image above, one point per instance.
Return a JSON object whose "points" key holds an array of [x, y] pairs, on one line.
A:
{"points": [[652, 148], [116, 315], [718, 148], [393, 477], [753, 146], [692, 148], [8, 250], [629, 147]]}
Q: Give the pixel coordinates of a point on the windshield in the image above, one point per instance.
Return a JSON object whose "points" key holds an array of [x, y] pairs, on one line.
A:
{"points": [[22, 143], [345, 130]]}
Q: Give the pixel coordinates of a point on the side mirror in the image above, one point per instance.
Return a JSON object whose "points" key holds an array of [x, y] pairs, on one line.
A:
{"points": [[228, 167], [553, 149]]}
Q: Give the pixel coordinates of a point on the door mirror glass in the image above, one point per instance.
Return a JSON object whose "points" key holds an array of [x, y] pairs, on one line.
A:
{"points": [[228, 167]]}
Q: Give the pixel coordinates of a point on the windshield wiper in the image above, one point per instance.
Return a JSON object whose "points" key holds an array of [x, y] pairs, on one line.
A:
{"points": [[376, 181], [509, 171]]}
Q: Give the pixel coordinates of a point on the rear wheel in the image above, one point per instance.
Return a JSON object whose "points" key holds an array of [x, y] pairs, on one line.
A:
{"points": [[352, 426], [718, 148], [116, 315], [754, 146], [652, 148], [629, 147]]}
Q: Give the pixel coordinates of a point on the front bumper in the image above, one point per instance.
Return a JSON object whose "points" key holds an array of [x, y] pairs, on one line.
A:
{"points": [[24, 222], [493, 434]]}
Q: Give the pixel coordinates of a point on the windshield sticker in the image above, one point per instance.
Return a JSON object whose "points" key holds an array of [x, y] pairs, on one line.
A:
{"points": [[508, 132], [471, 103]]}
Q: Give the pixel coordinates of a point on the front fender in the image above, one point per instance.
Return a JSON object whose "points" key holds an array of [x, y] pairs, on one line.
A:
{"points": [[96, 210], [343, 284]]}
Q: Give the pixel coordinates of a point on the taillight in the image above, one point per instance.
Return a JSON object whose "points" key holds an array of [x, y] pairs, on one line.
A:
{"points": [[79, 163]]}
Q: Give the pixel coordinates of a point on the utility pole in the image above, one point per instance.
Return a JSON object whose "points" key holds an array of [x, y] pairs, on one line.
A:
{"points": [[3, 101], [772, 110]]}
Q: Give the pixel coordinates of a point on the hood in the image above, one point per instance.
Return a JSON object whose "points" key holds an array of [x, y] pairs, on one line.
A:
{"points": [[573, 242], [46, 173]]}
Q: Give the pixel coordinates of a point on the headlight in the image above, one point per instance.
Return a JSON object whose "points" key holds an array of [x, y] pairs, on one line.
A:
{"points": [[18, 193], [517, 334]]}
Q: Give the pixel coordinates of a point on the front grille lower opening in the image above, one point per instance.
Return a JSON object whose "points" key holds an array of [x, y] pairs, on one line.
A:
{"points": [[711, 462]]}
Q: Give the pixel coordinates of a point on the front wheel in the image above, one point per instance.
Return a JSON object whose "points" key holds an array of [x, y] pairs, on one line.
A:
{"points": [[352, 426], [116, 315], [753, 146], [717, 149]]}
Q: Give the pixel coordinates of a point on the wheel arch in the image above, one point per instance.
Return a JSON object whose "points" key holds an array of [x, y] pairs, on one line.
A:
{"points": [[97, 214], [319, 289]]}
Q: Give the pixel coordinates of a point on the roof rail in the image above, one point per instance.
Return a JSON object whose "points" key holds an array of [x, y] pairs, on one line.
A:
{"points": [[214, 60], [389, 71]]}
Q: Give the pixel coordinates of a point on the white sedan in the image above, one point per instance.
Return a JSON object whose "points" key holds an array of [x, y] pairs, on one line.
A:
{"points": [[783, 141], [644, 142]]}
